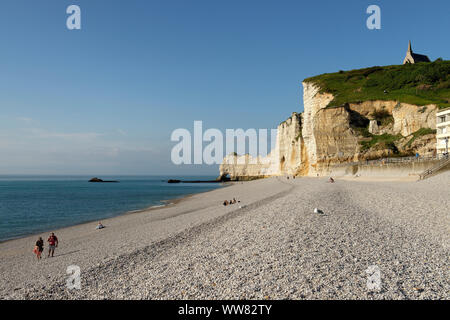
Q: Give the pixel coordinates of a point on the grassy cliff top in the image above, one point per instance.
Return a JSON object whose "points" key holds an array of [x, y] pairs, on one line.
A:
{"points": [[419, 84]]}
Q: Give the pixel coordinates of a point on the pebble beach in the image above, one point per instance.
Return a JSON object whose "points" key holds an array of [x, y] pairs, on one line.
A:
{"points": [[271, 245]]}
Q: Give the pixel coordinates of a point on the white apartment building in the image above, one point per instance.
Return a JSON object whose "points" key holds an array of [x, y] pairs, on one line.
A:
{"points": [[442, 130]]}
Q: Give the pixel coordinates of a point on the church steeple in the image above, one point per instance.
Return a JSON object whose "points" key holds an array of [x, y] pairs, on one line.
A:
{"points": [[412, 57]]}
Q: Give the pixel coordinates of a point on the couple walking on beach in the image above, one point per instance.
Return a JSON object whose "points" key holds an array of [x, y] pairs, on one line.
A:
{"points": [[52, 244]]}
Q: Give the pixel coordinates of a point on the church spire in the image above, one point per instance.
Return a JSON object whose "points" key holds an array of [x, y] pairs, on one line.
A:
{"points": [[412, 57]]}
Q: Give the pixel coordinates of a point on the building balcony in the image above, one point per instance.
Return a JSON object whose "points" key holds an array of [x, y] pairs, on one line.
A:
{"points": [[443, 124], [443, 135], [443, 112]]}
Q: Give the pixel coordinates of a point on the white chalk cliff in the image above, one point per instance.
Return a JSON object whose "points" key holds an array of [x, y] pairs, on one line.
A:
{"points": [[311, 142]]}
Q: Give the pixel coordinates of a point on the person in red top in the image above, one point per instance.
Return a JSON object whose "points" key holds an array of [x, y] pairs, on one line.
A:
{"points": [[52, 244]]}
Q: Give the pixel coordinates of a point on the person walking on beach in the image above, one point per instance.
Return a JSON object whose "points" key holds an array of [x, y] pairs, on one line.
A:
{"points": [[52, 244], [39, 247]]}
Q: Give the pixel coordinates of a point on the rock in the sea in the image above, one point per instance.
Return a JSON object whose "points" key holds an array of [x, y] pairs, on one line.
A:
{"points": [[100, 180]]}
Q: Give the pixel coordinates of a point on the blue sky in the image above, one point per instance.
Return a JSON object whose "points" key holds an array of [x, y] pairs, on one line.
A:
{"points": [[105, 99]]}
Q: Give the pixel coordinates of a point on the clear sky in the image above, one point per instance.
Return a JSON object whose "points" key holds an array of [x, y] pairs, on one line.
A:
{"points": [[105, 99]]}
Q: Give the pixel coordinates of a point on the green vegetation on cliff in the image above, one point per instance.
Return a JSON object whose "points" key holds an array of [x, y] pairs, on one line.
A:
{"points": [[419, 133], [419, 84], [387, 141], [384, 141]]}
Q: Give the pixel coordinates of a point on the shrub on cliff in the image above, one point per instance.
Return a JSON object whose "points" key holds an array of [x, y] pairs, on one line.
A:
{"points": [[382, 141], [419, 133]]}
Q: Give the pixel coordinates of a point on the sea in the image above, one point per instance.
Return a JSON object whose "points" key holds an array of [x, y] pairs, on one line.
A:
{"points": [[35, 204]]}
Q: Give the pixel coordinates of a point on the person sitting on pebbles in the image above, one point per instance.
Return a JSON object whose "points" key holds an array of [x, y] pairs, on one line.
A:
{"points": [[331, 180], [99, 226]]}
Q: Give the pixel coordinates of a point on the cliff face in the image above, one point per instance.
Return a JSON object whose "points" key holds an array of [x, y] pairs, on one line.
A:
{"points": [[327, 134], [360, 131], [285, 158], [311, 142], [288, 150]]}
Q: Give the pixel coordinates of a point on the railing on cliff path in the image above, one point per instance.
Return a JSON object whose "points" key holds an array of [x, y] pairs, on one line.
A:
{"points": [[389, 160], [438, 166]]}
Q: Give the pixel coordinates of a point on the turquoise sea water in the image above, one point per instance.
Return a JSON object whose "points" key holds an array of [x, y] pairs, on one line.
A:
{"points": [[33, 204]]}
